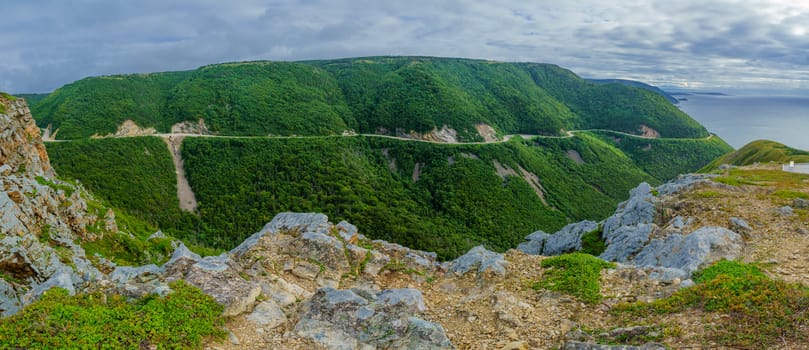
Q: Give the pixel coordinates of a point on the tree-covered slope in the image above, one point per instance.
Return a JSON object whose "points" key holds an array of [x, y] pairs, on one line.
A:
{"points": [[368, 95], [438, 197], [760, 151], [99, 105], [639, 84], [666, 158]]}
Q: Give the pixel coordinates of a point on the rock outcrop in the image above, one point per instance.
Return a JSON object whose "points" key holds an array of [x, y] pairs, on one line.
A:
{"points": [[41, 218], [634, 236], [360, 319]]}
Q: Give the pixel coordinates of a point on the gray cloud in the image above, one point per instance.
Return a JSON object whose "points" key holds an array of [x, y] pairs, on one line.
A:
{"points": [[717, 44]]}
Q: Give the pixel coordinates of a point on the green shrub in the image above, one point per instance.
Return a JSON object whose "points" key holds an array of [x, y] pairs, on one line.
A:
{"points": [[577, 274], [592, 243], [761, 312], [184, 319]]}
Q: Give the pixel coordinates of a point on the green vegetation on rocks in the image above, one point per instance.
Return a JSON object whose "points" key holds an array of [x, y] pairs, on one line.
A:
{"points": [[183, 319], [758, 312], [577, 274], [367, 95]]}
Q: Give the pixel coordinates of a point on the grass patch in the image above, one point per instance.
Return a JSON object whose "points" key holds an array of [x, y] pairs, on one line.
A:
{"points": [[577, 274], [787, 194], [761, 312], [707, 194], [760, 177], [183, 319]]}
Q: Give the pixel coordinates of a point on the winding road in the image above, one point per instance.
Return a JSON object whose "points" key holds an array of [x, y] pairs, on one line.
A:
{"points": [[188, 200]]}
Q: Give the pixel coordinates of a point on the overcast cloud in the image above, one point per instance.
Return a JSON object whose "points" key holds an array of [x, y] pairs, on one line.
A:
{"points": [[688, 43]]}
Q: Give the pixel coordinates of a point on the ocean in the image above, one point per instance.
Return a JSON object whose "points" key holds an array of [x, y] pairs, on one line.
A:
{"points": [[741, 119]]}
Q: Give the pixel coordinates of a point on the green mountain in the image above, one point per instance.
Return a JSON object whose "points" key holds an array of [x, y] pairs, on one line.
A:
{"points": [[367, 95], [760, 151], [639, 84], [438, 197]]}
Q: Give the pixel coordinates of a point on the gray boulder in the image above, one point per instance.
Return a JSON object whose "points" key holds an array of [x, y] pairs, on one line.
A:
{"points": [[624, 242], [535, 243], [218, 277], [288, 223], [358, 319], [568, 239], [268, 314], [690, 252], [123, 274], [683, 183], [480, 259], [9, 301]]}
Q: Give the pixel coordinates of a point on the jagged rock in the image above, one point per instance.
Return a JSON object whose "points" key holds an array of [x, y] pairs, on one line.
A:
{"points": [[268, 314], [626, 241], [325, 249], [689, 252], [679, 223], [480, 259], [181, 259], [739, 225], [347, 232], [9, 300], [123, 274], [784, 211], [61, 279], [218, 277], [357, 319], [293, 224], [800, 203], [683, 183], [566, 240], [576, 345], [535, 243], [306, 270]]}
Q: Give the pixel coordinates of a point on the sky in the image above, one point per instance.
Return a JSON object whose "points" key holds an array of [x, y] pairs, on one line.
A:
{"points": [[696, 44]]}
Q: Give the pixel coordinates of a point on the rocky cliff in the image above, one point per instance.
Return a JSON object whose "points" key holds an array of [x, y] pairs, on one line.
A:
{"points": [[42, 218]]}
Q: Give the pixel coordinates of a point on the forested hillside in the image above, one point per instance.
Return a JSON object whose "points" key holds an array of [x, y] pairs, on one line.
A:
{"points": [[367, 95], [437, 197]]}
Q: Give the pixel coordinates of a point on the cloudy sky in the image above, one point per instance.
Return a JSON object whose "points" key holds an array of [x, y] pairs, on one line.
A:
{"points": [[757, 44]]}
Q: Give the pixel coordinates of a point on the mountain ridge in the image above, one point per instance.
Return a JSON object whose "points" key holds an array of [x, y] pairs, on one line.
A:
{"points": [[388, 95]]}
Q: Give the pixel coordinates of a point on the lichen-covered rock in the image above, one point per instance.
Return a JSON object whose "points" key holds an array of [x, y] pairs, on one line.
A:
{"points": [[566, 240], [268, 314], [683, 183], [358, 319], [480, 259], [535, 243], [289, 223], [690, 252], [219, 277]]}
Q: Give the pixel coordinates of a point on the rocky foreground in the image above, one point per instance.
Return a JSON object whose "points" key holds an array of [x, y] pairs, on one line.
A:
{"points": [[303, 282]]}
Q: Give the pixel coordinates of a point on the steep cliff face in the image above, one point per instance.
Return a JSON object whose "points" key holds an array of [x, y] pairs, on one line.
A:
{"points": [[21, 148], [42, 217]]}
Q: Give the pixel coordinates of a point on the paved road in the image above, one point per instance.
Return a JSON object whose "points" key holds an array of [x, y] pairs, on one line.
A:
{"points": [[506, 138]]}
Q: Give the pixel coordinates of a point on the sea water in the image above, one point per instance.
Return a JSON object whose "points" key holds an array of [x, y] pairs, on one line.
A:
{"points": [[741, 119]]}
